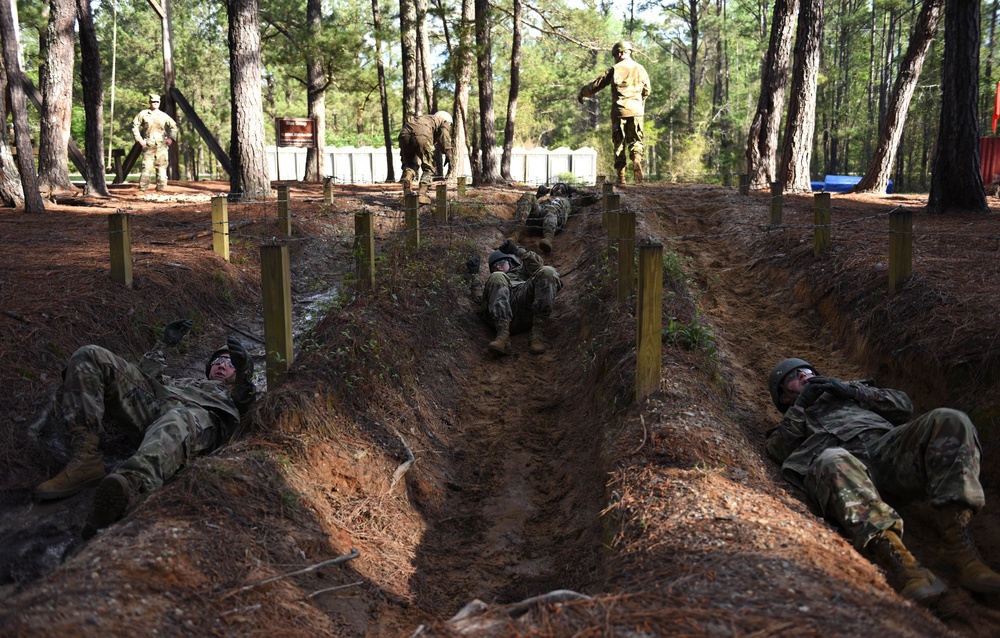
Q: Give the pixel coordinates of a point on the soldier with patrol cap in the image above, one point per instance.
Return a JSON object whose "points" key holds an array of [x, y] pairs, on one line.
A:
{"points": [[846, 444], [518, 295], [176, 419], [419, 139], [629, 89], [154, 131]]}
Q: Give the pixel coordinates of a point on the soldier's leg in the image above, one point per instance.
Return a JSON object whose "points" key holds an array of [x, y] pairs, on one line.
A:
{"points": [[618, 140], [162, 159], [408, 153], [497, 309], [148, 159], [550, 224], [633, 135], [935, 456]]}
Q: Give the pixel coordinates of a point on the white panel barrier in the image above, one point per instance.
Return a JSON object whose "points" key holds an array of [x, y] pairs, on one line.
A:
{"points": [[368, 165]]}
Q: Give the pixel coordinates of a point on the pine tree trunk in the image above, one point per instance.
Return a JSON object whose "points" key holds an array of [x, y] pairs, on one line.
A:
{"points": [[10, 184], [463, 76], [390, 175], [93, 101], [32, 199], [876, 178], [425, 79], [956, 182], [57, 99], [316, 96], [487, 118], [796, 155], [408, 52], [249, 180], [515, 87]]}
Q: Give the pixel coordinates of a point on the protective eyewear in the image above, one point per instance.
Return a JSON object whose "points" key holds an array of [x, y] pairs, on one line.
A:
{"points": [[222, 361], [798, 373]]}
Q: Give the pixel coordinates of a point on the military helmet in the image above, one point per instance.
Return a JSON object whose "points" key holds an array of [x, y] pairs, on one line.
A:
{"points": [[543, 190], [621, 45], [218, 353], [778, 375], [561, 189], [498, 254], [444, 115]]}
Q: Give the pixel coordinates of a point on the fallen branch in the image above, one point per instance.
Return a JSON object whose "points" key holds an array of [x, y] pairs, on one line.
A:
{"points": [[401, 470], [333, 561], [245, 334], [643, 441], [14, 315], [329, 589]]}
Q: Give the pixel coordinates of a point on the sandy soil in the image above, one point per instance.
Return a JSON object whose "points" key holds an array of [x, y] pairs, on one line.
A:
{"points": [[531, 474]]}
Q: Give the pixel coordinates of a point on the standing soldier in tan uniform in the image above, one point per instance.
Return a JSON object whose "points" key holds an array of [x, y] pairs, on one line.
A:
{"points": [[629, 89], [154, 131], [418, 140]]}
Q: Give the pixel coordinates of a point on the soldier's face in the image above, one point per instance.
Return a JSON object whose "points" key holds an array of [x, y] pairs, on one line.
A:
{"points": [[794, 382], [222, 369], [154, 104]]}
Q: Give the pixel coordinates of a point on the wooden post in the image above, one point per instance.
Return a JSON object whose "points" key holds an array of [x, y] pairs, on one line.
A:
{"points": [[411, 209], [821, 223], [441, 203], [220, 226], [607, 188], [462, 182], [364, 249], [649, 319], [744, 184], [900, 247], [277, 296], [601, 179], [328, 190], [614, 204], [117, 154], [776, 196], [626, 254], [284, 219], [120, 236]]}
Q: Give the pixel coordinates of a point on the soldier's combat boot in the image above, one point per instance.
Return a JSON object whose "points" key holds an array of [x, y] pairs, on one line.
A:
{"points": [[84, 469], [408, 177], [547, 237], [906, 575], [424, 198], [637, 168], [112, 499], [501, 345], [621, 176], [537, 345], [959, 551]]}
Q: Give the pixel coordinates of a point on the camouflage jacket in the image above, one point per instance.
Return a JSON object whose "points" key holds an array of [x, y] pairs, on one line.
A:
{"points": [[530, 264], [153, 126], [228, 401], [831, 422], [629, 87], [430, 132]]}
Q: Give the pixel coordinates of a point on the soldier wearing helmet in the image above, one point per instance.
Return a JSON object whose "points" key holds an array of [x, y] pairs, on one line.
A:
{"points": [[420, 138], [629, 89], [550, 214], [176, 419], [848, 444], [518, 295]]}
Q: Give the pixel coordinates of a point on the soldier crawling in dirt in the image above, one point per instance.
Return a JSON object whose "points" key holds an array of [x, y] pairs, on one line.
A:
{"points": [[551, 213], [175, 418], [518, 294], [418, 140], [846, 444]]}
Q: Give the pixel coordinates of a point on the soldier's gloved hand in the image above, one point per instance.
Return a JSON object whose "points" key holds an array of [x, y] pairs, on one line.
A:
{"points": [[836, 387], [508, 246], [542, 191], [579, 97], [175, 331], [472, 265], [238, 355], [811, 393]]}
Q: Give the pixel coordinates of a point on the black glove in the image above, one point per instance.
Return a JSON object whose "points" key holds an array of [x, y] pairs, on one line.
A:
{"points": [[175, 331], [508, 246], [472, 265], [836, 387], [542, 191], [238, 355], [811, 393]]}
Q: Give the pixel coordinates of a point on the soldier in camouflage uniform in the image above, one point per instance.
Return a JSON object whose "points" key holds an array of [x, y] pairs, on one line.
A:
{"points": [[419, 139], [154, 131], [518, 295], [551, 213], [629, 89], [175, 418], [846, 444]]}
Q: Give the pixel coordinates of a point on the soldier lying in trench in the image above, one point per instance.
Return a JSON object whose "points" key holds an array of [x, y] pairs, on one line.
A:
{"points": [[176, 418], [550, 214]]}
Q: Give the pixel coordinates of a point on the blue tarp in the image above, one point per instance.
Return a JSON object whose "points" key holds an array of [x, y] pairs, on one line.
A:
{"points": [[841, 184]]}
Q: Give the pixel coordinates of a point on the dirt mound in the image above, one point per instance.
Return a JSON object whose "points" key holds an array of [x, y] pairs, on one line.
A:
{"points": [[459, 476]]}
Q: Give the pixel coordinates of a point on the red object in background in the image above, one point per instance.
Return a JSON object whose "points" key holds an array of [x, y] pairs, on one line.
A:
{"points": [[996, 108], [989, 159]]}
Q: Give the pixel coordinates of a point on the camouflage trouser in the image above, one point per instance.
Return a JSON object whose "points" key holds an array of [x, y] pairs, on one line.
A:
{"points": [[416, 157], [520, 303], [934, 457], [550, 215], [98, 382], [154, 155], [626, 134]]}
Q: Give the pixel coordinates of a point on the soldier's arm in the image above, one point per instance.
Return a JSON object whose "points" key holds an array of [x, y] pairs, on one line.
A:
{"points": [[244, 393], [137, 128], [170, 130], [788, 436], [153, 363], [532, 262], [602, 81], [895, 406]]}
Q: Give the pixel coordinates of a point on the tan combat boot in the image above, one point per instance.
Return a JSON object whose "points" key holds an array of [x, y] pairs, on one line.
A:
{"points": [[547, 238], [959, 551], [537, 344], [84, 469], [621, 177], [408, 177], [637, 168], [906, 575], [424, 198], [114, 495], [501, 345]]}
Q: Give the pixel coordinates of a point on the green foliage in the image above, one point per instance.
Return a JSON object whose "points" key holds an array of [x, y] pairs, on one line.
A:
{"points": [[690, 336]]}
